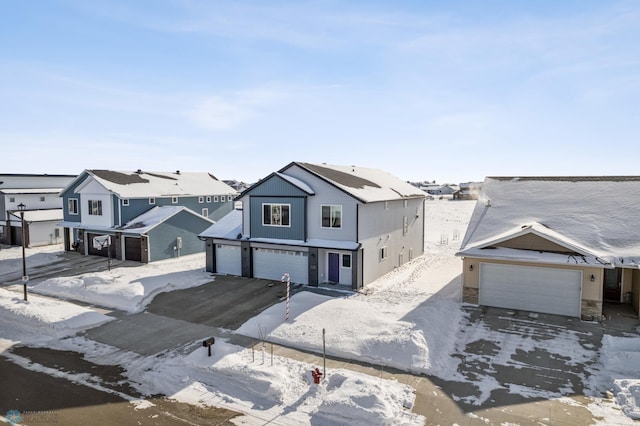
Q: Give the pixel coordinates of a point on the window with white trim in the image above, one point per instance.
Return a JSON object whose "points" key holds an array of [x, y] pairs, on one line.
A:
{"points": [[208, 198], [215, 198], [174, 200], [125, 201], [405, 225], [276, 214], [331, 216], [152, 201], [72, 206], [201, 200], [95, 207], [346, 261], [205, 212]]}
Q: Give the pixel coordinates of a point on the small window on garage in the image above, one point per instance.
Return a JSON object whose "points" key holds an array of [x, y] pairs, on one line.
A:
{"points": [[125, 202], [383, 253], [346, 261]]}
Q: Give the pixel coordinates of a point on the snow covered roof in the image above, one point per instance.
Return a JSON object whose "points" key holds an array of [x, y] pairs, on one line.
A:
{"points": [[297, 182], [31, 191], [228, 227], [141, 184], [591, 215], [152, 218], [40, 215], [365, 184]]}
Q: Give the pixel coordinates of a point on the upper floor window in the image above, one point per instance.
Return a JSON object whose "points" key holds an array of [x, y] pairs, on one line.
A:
{"points": [[276, 214], [125, 201], [72, 206], [95, 207], [174, 200], [41, 198], [208, 198], [215, 198], [201, 200], [331, 216], [405, 225], [152, 200]]}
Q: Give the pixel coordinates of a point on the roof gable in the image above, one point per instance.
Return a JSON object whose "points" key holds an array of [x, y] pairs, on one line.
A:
{"points": [[279, 184], [156, 216]]}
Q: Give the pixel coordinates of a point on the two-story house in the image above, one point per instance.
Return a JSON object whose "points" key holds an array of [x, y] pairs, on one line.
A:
{"points": [[147, 216], [37, 196], [320, 224]]}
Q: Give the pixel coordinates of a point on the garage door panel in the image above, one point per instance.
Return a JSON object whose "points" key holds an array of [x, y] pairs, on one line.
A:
{"points": [[272, 264], [228, 260], [548, 290]]}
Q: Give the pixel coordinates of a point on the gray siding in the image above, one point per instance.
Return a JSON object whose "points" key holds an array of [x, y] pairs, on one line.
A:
{"points": [[275, 185], [296, 231], [137, 206], [162, 238]]}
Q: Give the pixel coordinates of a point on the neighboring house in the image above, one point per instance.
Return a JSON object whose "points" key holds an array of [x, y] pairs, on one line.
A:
{"points": [[237, 185], [468, 191], [558, 245], [149, 216], [437, 189], [320, 224], [38, 196]]}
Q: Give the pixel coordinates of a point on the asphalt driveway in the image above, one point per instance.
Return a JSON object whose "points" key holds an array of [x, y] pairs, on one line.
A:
{"points": [[181, 317]]}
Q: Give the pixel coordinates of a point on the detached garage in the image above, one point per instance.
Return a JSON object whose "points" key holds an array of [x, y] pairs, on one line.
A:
{"points": [[538, 289]]}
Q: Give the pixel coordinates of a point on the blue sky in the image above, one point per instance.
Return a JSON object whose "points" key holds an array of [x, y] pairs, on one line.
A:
{"points": [[447, 91]]}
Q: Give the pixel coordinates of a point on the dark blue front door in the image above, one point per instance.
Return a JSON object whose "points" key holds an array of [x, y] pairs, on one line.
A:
{"points": [[334, 267]]}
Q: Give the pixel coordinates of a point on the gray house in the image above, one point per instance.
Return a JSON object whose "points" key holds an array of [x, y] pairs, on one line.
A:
{"points": [[146, 216], [320, 224]]}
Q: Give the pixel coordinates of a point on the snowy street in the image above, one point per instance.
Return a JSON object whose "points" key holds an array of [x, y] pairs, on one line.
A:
{"points": [[405, 351]]}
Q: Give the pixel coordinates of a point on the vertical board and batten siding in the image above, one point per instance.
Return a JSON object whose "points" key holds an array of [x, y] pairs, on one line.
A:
{"points": [[163, 237], [69, 193], [296, 228], [115, 202]]}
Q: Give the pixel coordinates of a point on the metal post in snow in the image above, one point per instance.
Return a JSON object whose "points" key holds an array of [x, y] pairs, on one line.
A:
{"points": [[324, 356], [288, 278]]}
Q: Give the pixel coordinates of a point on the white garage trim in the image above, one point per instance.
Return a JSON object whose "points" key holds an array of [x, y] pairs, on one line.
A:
{"points": [[528, 288], [272, 264], [228, 259]]}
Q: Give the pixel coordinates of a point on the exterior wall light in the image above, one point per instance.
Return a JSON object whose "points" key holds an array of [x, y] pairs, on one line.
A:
{"points": [[471, 267], [592, 278]]}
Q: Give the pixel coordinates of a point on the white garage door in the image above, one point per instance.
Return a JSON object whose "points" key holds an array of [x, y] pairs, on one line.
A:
{"points": [[228, 260], [548, 290], [272, 264]]}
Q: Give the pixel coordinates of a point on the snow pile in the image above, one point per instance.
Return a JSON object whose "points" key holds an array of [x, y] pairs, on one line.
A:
{"points": [[129, 288], [281, 389], [35, 256], [43, 316], [621, 357]]}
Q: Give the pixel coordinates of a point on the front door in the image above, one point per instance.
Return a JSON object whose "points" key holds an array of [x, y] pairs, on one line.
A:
{"points": [[334, 267], [612, 284]]}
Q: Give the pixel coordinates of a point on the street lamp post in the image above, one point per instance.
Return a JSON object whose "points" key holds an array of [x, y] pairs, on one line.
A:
{"points": [[25, 277]]}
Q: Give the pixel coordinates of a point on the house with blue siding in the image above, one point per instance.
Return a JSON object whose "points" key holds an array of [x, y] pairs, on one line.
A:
{"points": [[320, 224], [141, 216]]}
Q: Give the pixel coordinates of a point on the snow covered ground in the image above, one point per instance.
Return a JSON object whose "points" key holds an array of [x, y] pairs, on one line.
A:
{"points": [[410, 319]]}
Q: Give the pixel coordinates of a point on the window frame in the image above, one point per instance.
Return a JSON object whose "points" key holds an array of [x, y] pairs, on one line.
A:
{"points": [[282, 215], [125, 201], [346, 256], [152, 201], [75, 211], [95, 207], [384, 253], [215, 198], [174, 200], [42, 198], [205, 212], [331, 216], [208, 198], [405, 225], [201, 199]]}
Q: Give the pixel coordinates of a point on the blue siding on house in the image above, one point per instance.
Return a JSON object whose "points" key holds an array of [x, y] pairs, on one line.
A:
{"points": [[296, 230], [137, 206], [275, 185], [163, 237], [65, 202]]}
